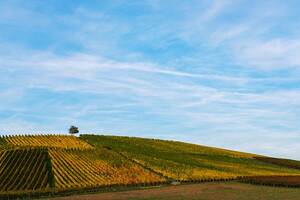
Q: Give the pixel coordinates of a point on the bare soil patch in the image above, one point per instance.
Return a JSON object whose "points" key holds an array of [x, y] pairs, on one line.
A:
{"points": [[203, 191]]}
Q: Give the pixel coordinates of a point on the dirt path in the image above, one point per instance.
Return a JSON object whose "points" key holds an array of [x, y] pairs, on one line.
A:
{"points": [[169, 191], [205, 191]]}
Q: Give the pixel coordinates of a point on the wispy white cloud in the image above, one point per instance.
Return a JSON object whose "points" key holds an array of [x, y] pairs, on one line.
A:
{"points": [[178, 73], [271, 54], [149, 88], [213, 10]]}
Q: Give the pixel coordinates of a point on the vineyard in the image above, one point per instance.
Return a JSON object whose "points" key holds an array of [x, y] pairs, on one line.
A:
{"points": [[285, 181], [281, 162], [79, 170], [186, 162], [49, 141], [54, 164], [16, 170]]}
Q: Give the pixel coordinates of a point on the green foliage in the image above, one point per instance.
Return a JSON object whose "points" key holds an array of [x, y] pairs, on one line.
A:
{"points": [[279, 161], [73, 130], [184, 161]]}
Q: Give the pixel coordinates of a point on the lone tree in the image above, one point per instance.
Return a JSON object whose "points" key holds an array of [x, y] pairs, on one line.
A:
{"points": [[73, 130]]}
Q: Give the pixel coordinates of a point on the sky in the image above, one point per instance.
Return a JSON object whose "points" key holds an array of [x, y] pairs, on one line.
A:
{"points": [[222, 73]]}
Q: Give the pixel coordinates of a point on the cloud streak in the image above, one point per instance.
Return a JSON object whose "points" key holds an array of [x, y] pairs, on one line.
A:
{"points": [[185, 72]]}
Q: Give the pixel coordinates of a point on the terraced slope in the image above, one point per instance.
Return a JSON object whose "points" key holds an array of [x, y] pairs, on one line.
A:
{"points": [[48, 141], [186, 162], [24, 170]]}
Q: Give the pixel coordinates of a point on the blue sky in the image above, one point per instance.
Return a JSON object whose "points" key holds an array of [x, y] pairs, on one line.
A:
{"points": [[222, 73]]}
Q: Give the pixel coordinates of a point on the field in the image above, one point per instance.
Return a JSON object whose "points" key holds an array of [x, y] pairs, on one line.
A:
{"points": [[186, 162], [204, 191], [35, 166], [51, 141], [284, 181], [17, 174], [75, 169]]}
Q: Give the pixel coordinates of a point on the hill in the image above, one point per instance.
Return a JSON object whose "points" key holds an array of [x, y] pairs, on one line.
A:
{"points": [[187, 162], [56, 164]]}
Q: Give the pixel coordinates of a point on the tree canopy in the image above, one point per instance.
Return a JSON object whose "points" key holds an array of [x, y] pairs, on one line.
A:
{"points": [[73, 130]]}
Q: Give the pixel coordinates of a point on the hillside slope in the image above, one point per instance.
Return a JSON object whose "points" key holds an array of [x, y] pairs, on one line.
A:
{"points": [[47, 164], [187, 162]]}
